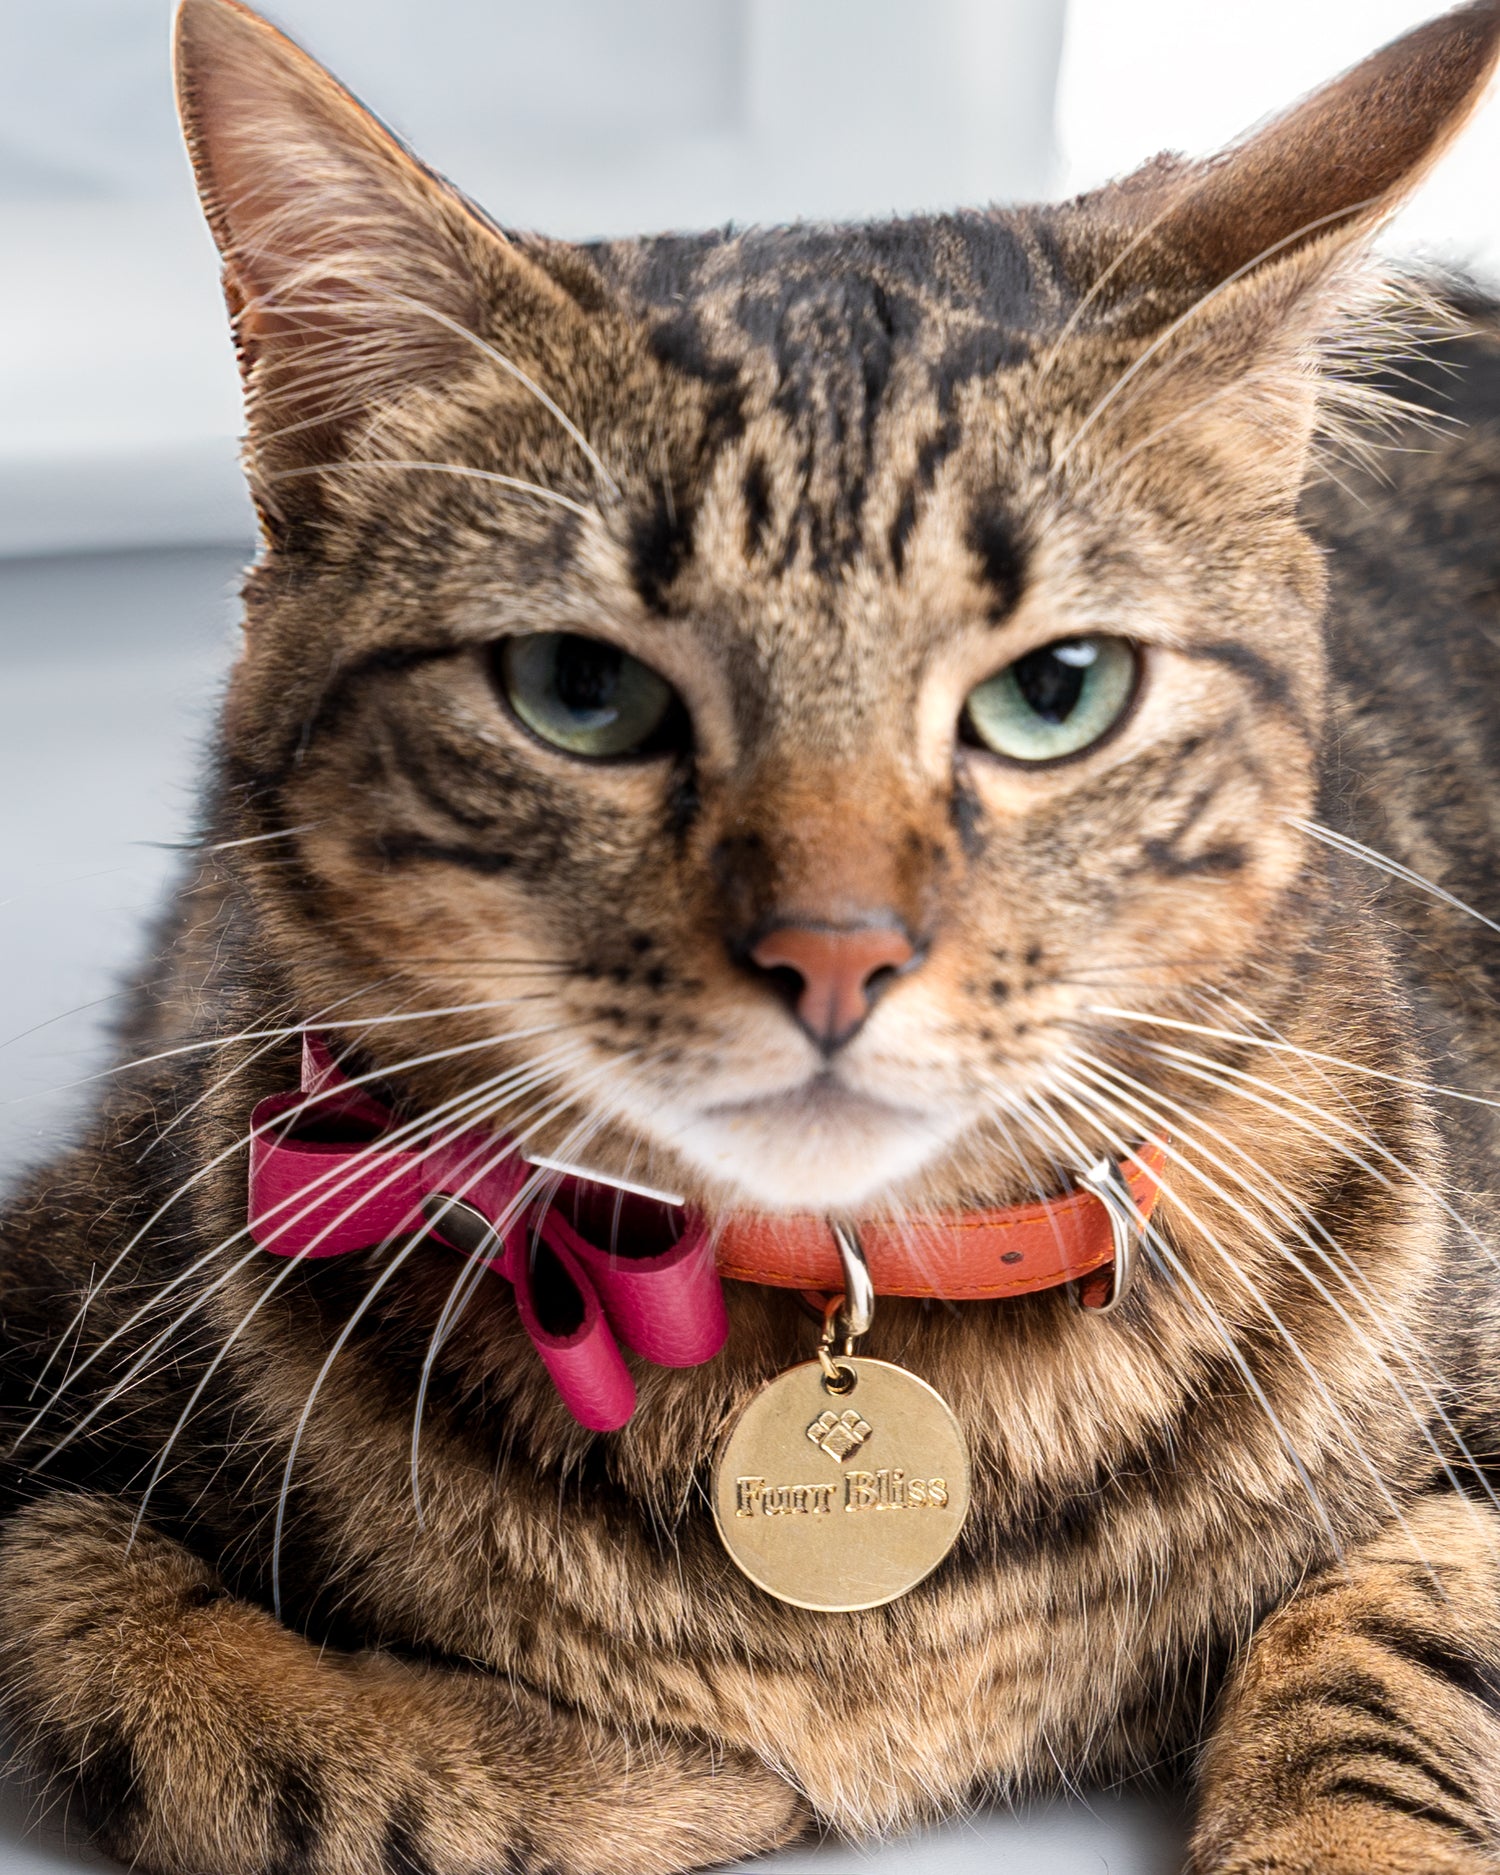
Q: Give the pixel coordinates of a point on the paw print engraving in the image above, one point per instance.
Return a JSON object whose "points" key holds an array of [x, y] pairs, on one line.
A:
{"points": [[839, 1434]]}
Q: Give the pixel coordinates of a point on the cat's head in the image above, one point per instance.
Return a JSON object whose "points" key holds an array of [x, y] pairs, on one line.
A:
{"points": [[770, 692]]}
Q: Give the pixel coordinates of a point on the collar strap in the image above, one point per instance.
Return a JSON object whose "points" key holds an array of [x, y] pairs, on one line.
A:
{"points": [[957, 1256], [323, 1183]]}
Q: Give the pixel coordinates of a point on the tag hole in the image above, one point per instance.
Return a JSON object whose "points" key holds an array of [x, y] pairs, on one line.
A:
{"points": [[846, 1381]]}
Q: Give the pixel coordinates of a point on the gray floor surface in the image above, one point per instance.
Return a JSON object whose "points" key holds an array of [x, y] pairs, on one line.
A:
{"points": [[109, 666]]}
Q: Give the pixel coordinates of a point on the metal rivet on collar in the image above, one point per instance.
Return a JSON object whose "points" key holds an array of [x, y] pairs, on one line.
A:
{"points": [[1107, 1183], [462, 1224]]}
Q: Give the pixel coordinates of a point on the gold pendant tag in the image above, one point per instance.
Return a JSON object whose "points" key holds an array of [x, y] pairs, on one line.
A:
{"points": [[842, 1484]]}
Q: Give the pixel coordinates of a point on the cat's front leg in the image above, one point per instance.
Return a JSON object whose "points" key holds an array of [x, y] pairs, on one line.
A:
{"points": [[193, 1732], [1361, 1735]]}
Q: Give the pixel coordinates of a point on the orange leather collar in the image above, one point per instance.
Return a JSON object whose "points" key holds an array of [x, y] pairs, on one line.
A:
{"points": [[961, 1256]]}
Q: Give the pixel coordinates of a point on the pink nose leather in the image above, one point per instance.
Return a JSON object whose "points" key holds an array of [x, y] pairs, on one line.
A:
{"points": [[836, 968]]}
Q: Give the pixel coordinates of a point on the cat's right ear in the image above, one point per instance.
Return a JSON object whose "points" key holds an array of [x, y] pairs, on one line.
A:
{"points": [[355, 277]]}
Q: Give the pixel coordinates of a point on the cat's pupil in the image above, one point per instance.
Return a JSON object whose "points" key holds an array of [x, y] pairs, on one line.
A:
{"points": [[587, 676], [587, 697], [1052, 679]]}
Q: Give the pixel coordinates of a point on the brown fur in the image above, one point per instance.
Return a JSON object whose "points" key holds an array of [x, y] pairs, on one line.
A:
{"points": [[825, 482]]}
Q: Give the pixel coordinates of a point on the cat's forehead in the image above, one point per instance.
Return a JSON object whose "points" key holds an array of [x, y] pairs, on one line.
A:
{"points": [[858, 382], [810, 301]]}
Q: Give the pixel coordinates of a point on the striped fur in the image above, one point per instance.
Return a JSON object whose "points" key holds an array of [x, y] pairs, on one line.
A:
{"points": [[825, 481]]}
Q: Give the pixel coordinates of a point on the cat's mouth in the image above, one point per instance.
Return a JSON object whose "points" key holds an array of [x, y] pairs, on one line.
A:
{"points": [[825, 1103], [818, 1145]]}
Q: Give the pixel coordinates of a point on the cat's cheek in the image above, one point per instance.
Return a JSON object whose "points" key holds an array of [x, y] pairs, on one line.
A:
{"points": [[1010, 798]]}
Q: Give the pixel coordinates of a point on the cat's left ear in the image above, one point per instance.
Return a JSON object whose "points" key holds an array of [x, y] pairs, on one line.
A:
{"points": [[1235, 273], [1318, 179], [355, 277]]}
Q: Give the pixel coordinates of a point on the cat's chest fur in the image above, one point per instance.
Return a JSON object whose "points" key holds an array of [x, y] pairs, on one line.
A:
{"points": [[1080, 1617]]}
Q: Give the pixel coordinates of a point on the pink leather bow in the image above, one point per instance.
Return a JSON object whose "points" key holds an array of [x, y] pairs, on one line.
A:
{"points": [[322, 1184]]}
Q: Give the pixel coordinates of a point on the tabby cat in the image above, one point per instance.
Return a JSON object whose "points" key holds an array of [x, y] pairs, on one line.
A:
{"points": [[1018, 603]]}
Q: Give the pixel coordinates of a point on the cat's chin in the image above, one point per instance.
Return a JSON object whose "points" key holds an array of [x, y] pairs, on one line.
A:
{"points": [[817, 1148]]}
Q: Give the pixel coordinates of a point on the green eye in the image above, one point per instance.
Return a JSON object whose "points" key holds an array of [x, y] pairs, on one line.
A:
{"points": [[1055, 701], [587, 697]]}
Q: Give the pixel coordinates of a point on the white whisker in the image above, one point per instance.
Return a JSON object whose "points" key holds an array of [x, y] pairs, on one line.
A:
{"points": [[528, 1190], [1290, 1048], [1297, 1217], [336, 1179], [468, 1109], [1382, 862], [458, 1298], [1240, 1082], [1160, 1249], [492, 476]]}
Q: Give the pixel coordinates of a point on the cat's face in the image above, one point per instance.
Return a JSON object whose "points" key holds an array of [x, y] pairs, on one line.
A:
{"points": [[902, 586], [825, 552]]}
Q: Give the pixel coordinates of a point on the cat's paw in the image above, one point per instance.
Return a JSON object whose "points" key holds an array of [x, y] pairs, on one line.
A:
{"points": [[193, 1732], [697, 1810], [1354, 1837]]}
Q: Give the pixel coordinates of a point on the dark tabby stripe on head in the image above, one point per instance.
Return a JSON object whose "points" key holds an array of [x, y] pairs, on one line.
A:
{"points": [[993, 536], [404, 849], [659, 545]]}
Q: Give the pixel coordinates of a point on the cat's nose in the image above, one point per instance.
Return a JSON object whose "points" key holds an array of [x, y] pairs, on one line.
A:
{"points": [[832, 973]]}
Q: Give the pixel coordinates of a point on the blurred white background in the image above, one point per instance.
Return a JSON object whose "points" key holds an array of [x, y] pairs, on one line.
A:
{"points": [[118, 402], [581, 117], [122, 521]]}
